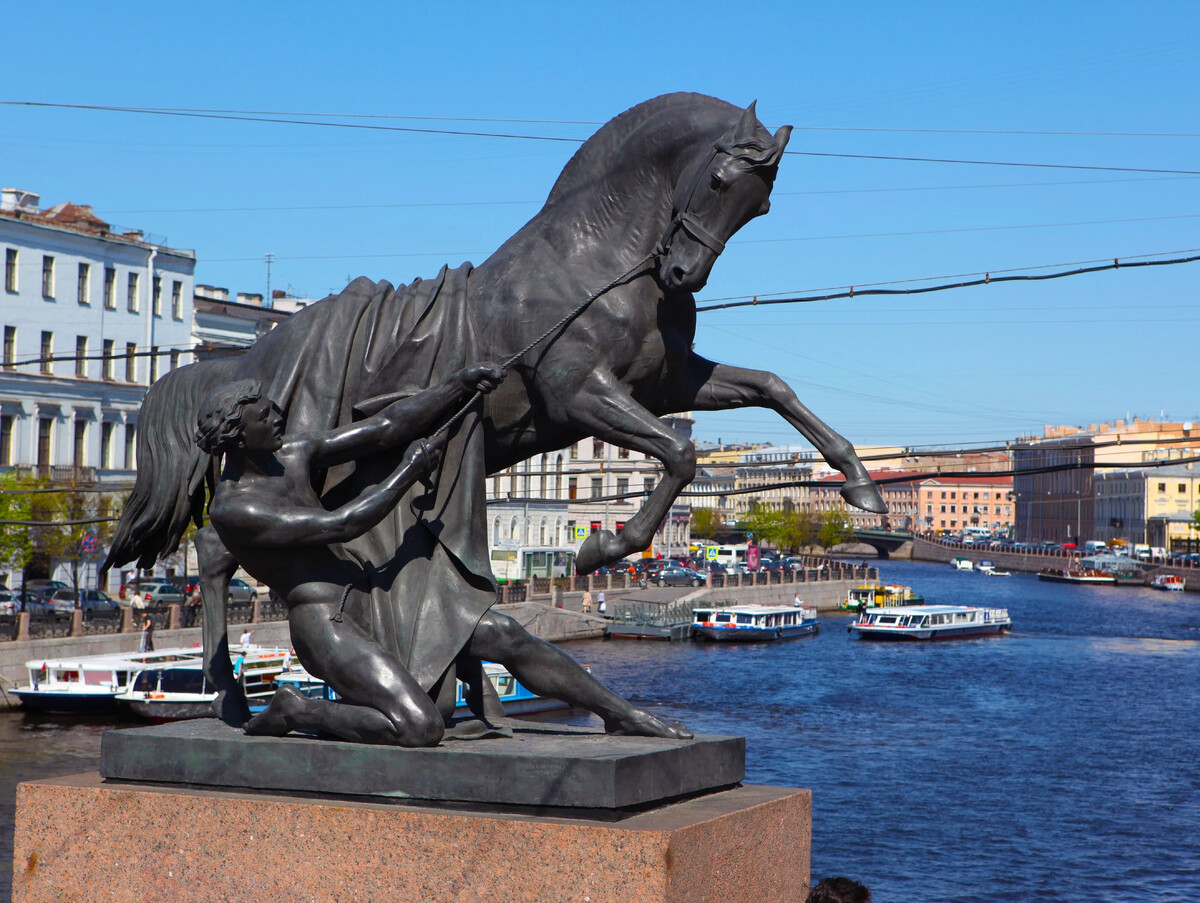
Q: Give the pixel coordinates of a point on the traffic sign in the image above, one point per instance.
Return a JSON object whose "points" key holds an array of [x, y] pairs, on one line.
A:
{"points": [[581, 532], [710, 554], [89, 544]]}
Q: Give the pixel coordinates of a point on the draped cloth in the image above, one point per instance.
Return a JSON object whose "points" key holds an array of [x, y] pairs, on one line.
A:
{"points": [[424, 576]]}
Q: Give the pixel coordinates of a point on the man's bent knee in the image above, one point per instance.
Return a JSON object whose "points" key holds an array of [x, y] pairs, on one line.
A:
{"points": [[419, 730], [501, 633]]}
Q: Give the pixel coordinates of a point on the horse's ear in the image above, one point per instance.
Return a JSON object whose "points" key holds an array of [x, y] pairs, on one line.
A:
{"points": [[748, 125], [781, 138]]}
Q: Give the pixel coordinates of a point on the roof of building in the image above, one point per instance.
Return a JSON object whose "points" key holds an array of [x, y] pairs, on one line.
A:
{"points": [[981, 480]]}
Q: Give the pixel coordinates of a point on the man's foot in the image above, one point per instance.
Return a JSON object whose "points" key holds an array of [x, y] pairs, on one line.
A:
{"points": [[277, 718], [640, 723], [231, 707]]}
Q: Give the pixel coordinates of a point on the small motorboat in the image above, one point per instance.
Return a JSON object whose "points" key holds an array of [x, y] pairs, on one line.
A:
{"points": [[1172, 583]]}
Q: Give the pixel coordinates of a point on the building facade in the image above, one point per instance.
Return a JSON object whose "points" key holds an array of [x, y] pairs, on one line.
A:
{"points": [[952, 503], [1151, 506], [897, 487], [91, 317]]}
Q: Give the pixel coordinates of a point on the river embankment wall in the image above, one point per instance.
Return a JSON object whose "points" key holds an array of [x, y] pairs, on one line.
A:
{"points": [[824, 596], [1033, 560]]}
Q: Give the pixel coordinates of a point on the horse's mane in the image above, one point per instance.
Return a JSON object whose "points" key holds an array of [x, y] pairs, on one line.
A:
{"points": [[596, 153]]}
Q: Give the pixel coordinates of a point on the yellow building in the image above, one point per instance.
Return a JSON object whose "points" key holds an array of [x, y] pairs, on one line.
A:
{"points": [[1149, 505]]}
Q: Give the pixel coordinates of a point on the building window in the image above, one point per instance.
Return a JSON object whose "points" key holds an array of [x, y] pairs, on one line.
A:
{"points": [[572, 487], [622, 485], [156, 304], [177, 300], [80, 448], [81, 288], [574, 451], [45, 426], [597, 487], [10, 346], [110, 288], [1182, 488], [109, 369], [47, 352], [943, 494], [81, 356], [130, 446], [622, 453], [47, 276], [106, 440], [131, 294], [10, 269], [954, 509], [130, 362], [1162, 487], [648, 484], [597, 449], [6, 427], [153, 364]]}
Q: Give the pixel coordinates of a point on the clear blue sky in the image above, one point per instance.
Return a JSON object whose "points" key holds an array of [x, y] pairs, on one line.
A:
{"points": [[964, 366]]}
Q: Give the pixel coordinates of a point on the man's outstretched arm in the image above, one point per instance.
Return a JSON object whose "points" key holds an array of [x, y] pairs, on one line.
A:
{"points": [[285, 525], [403, 420]]}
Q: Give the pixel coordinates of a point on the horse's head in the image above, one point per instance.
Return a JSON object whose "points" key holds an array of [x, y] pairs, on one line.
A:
{"points": [[726, 187]]}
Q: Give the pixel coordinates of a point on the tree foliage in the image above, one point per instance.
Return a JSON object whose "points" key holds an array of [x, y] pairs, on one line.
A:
{"points": [[15, 500], [68, 517], [834, 527], [706, 522], [789, 531]]}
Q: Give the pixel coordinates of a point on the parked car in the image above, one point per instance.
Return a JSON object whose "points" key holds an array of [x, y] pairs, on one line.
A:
{"points": [[152, 593], [677, 576], [34, 604], [769, 564], [713, 567], [66, 601], [241, 591], [10, 602]]}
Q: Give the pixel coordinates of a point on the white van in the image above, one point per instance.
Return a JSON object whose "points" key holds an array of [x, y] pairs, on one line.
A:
{"points": [[1092, 546]]}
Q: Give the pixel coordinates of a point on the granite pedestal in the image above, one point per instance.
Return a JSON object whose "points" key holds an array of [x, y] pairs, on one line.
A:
{"points": [[80, 839]]}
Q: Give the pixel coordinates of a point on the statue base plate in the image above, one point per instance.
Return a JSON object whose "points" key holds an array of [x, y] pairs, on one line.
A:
{"points": [[79, 838], [556, 766]]}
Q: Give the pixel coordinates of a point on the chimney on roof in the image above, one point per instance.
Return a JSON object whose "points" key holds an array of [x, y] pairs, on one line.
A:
{"points": [[132, 234], [17, 200], [250, 298], [211, 293], [278, 293]]}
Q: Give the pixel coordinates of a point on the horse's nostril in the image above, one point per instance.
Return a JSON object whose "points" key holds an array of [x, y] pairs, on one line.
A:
{"points": [[677, 274]]}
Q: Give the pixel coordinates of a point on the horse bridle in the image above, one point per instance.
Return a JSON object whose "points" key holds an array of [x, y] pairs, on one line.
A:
{"points": [[685, 220]]}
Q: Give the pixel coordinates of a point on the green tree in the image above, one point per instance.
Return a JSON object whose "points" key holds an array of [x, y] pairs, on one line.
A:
{"points": [[68, 517], [834, 528], [15, 499], [705, 523], [799, 530], [765, 524]]}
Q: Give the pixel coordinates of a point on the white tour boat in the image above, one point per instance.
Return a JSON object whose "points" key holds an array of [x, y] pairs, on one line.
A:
{"points": [[1170, 582], [753, 623], [181, 691], [930, 622], [962, 563], [90, 684]]}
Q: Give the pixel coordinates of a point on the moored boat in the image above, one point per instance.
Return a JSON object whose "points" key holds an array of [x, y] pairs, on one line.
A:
{"points": [[930, 622], [1076, 575], [753, 623], [1172, 583], [90, 684], [962, 563], [516, 698], [181, 691], [879, 595]]}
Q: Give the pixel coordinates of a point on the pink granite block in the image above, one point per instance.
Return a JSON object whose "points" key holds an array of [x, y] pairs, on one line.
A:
{"points": [[79, 839]]}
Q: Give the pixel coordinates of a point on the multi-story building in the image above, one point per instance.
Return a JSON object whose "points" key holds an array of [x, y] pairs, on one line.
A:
{"points": [[763, 475], [91, 316], [1056, 494], [223, 326], [951, 503], [1153, 506], [897, 487]]}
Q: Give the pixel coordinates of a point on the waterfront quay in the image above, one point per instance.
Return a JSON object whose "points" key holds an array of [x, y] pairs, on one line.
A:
{"points": [[1031, 561]]}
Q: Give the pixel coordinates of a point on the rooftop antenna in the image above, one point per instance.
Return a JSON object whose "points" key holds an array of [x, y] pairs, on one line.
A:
{"points": [[270, 258]]}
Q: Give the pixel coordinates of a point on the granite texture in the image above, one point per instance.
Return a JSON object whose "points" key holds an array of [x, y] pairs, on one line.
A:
{"points": [[80, 839], [540, 765]]}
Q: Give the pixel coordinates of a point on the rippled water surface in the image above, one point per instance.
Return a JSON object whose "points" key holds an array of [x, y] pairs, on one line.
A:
{"points": [[1059, 762]]}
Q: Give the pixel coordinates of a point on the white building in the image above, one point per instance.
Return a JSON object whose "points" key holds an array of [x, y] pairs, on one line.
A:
{"points": [[91, 316]]}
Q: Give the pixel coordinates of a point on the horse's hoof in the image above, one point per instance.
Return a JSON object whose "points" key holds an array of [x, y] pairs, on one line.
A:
{"points": [[598, 549], [231, 707], [864, 494]]}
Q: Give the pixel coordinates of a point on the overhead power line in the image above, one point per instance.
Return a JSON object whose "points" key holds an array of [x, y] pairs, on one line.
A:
{"points": [[986, 279], [286, 119]]}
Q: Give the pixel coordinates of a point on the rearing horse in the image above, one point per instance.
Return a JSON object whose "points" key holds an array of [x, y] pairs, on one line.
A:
{"points": [[632, 227]]}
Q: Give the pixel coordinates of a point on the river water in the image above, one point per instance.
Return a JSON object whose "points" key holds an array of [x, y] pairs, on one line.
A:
{"points": [[1058, 762]]}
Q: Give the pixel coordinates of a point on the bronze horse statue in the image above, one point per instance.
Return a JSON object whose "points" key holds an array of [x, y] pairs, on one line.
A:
{"points": [[631, 229]]}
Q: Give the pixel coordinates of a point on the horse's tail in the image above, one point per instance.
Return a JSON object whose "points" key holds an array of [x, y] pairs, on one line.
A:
{"points": [[170, 486]]}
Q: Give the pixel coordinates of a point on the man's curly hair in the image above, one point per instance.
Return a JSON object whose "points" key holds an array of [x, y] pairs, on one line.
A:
{"points": [[220, 422]]}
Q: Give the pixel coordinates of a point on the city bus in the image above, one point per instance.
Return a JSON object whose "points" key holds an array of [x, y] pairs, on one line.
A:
{"points": [[532, 561]]}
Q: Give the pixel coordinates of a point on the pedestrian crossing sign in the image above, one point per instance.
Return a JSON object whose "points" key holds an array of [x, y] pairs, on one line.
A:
{"points": [[710, 554], [581, 532]]}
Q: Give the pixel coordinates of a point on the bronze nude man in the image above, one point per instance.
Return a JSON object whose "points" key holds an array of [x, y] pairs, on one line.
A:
{"points": [[268, 516]]}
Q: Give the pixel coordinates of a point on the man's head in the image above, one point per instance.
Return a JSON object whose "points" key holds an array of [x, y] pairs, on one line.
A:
{"points": [[238, 415], [839, 890]]}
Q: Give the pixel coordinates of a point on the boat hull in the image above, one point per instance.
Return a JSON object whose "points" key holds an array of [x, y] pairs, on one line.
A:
{"points": [[947, 633], [68, 703], [754, 634], [1067, 578]]}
